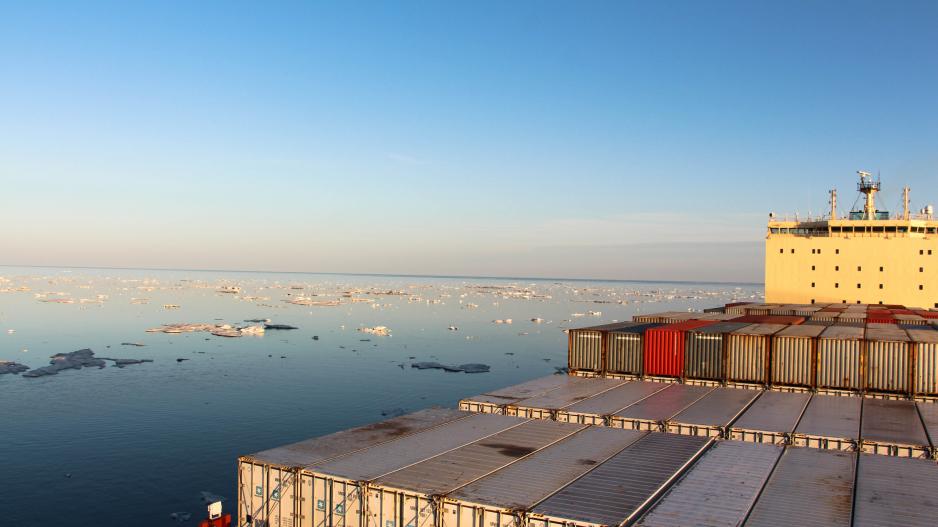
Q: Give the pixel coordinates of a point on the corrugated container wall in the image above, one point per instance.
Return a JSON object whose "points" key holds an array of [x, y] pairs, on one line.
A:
{"points": [[624, 348], [704, 351], [586, 346], [664, 348], [887, 359], [926, 361], [793, 356], [748, 353], [839, 357]]}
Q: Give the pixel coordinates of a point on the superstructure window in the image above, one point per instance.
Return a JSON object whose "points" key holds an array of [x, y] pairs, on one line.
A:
{"points": [[880, 268], [780, 251], [837, 268], [921, 251], [836, 285], [812, 267], [836, 251], [812, 284], [920, 287], [859, 268], [792, 251], [880, 286], [858, 286], [921, 269]]}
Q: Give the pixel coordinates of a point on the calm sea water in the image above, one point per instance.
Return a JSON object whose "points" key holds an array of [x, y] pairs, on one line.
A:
{"points": [[132, 446]]}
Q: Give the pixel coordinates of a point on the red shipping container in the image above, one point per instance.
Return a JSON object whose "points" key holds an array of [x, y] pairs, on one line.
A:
{"points": [[788, 320], [903, 312], [664, 347], [929, 314]]}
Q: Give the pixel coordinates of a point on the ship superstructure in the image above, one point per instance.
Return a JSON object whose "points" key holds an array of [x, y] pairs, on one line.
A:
{"points": [[867, 257]]}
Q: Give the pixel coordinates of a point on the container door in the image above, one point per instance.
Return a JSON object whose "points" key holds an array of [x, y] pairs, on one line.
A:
{"points": [[322, 501], [306, 500]]}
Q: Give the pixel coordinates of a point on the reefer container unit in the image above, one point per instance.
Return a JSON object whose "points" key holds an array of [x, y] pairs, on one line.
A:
{"points": [[895, 491], [924, 361], [545, 406], [711, 415], [704, 351], [808, 488], [596, 409], [494, 402], [747, 358], [617, 491], [502, 498], [840, 353], [586, 347], [794, 358], [893, 428], [275, 486], [664, 348], [771, 419], [408, 496], [624, 348], [267, 480], [830, 422], [653, 413], [888, 365], [719, 490], [335, 490]]}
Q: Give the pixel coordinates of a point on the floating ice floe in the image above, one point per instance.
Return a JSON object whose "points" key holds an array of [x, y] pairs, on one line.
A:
{"points": [[380, 331], [464, 368], [12, 367], [77, 360]]}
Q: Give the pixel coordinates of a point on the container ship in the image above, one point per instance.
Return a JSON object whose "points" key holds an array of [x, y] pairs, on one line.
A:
{"points": [[811, 408]]}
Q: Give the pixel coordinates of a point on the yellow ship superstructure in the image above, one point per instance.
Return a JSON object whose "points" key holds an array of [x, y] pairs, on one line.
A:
{"points": [[868, 257]]}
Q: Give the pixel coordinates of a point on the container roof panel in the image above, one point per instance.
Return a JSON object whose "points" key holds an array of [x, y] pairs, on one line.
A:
{"points": [[567, 395], [809, 488], [929, 413], [719, 490], [523, 484], [843, 333], [760, 329], [666, 403], [387, 457], [617, 398], [326, 447], [923, 336], [801, 331], [615, 491], [892, 422], [774, 412], [718, 408], [895, 491], [449, 471], [831, 416]]}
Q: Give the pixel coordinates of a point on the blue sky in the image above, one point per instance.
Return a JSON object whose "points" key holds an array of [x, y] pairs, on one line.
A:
{"points": [[582, 139]]}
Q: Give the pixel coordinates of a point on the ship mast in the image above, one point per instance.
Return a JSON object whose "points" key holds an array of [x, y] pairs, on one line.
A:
{"points": [[905, 202], [869, 188], [833, 202]]}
